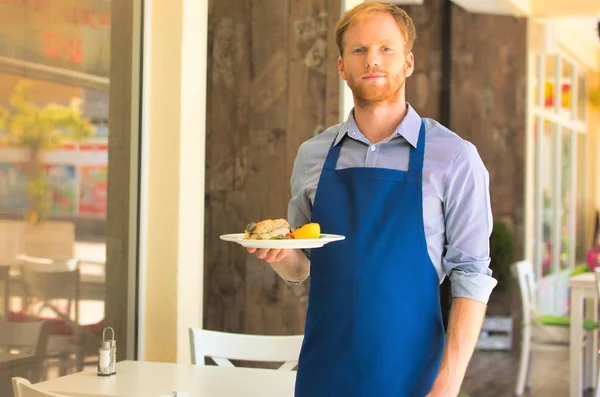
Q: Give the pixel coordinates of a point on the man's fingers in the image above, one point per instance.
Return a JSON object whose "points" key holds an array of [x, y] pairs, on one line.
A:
{"points": [[282, 254], [270, 257], [261, 253]]}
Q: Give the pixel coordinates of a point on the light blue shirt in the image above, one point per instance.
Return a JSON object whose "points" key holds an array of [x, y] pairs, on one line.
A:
{"points": [[456, 201]]}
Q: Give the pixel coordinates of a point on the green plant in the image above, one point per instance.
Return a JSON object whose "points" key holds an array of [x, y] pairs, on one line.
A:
{"points": [[40, 128], [501, 254]]}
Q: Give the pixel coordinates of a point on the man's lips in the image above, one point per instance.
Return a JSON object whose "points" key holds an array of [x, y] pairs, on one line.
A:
{"points": [[373, 76]]}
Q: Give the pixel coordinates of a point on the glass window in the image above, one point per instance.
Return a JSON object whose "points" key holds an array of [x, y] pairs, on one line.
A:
{"points": [[566, 208], [566, 88], [536, 91], [549, 78], [560, 166], [546, 174], [581, 98], [54, 101], [581, 239]]}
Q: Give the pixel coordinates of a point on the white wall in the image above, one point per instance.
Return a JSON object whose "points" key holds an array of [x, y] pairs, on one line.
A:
{"points": [[173, 161]]}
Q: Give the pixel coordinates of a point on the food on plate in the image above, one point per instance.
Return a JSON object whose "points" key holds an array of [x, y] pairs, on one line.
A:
{"points": [[280, 229], [269, 229], [310, 230]]}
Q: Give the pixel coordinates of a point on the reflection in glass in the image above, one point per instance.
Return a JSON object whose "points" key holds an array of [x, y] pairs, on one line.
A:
{"points": [[546, 174], [581, 242], [550, 77], [581, 98], [536, 92], [54, 79], [566, 199], [566, 87]]}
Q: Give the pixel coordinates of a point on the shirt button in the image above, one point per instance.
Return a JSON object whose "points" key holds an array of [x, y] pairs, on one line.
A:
{"points": [[373, 148]]}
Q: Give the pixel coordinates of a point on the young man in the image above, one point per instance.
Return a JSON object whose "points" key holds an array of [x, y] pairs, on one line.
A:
{"points": [[412, 199]]}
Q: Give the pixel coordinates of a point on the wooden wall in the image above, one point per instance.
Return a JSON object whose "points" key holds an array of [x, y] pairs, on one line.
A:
{"points": [[268, 91], [272, 84]]}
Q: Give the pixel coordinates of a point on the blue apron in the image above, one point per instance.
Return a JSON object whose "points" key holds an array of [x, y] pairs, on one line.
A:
{"points": [[374, 326]]}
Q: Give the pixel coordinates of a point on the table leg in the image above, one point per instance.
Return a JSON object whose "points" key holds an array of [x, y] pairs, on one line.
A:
{"points": [[575, 348], [591, 354]]}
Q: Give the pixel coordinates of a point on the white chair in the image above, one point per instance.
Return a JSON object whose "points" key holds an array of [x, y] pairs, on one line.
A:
{"points": [[539, 332], [23, 388], [222, 347], [31, 337]]}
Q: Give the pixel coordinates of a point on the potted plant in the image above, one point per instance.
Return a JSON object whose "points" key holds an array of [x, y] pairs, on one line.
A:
{"points": [[38, 129], [501, 255]]}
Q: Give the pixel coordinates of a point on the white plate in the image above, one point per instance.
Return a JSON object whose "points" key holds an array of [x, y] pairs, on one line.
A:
{"points": [[283, 244]]}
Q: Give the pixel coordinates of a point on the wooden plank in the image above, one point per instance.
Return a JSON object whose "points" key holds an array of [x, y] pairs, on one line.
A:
{"points": [[332, 93], [227, 125], [267, 181], [308, 69], [423, 88], [494, 374], [266, 95]]}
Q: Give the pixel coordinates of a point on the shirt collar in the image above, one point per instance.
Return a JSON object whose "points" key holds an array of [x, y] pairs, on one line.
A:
{"points": [[408, 128]]}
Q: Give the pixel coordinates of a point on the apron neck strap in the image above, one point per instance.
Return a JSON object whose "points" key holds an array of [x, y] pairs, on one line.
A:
{"points": [[415, 163]]}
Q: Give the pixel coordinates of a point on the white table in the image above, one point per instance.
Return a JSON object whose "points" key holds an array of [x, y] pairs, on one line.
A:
{"points": [[582, 287], [148, 379]]}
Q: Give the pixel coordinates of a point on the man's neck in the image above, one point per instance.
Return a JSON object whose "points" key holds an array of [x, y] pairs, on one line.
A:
{"points": [[379, 121]]}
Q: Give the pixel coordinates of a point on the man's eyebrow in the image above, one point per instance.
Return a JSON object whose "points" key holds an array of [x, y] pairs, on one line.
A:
{"points": [[386, 42]]}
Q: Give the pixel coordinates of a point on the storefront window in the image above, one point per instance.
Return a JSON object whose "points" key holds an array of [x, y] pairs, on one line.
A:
{"points": [[581, 96], [566, 208], [549, 78], [54, 101], [547, 192], [566, 82], [559, 154]]}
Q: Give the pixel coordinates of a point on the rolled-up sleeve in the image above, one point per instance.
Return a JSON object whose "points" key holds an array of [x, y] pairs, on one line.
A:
{"points": [[469, 225], [300, 207]]}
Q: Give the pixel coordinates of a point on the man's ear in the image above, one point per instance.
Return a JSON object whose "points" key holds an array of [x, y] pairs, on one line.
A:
{"points": [[341, 70], [409, 65]]}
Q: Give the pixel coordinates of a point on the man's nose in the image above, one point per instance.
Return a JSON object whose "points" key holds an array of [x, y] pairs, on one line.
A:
{"points": [[373, 58]]}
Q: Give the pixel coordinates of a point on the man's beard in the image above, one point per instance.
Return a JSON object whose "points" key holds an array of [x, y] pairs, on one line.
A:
{"points": [[375, 94]]}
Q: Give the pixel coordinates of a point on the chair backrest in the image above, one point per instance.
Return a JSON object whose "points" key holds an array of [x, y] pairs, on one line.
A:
{"points": [[23, 388], [54, 240], [527, 286], [222, 347], [50, 282], [32, 336]]}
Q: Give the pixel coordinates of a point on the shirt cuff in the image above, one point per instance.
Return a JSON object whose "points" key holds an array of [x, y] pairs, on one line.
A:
{"points": [[476, 286]]}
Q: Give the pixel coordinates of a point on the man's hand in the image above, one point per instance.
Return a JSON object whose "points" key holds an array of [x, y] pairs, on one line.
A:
{"points": [[269, 255], [291, 265], [442, 388]]}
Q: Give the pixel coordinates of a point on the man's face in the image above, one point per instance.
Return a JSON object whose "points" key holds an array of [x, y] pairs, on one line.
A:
{"points": [[375, 63]]}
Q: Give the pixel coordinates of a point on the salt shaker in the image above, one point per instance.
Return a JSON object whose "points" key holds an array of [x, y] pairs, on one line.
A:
{"points": [[113, 355], [106, 362]]}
